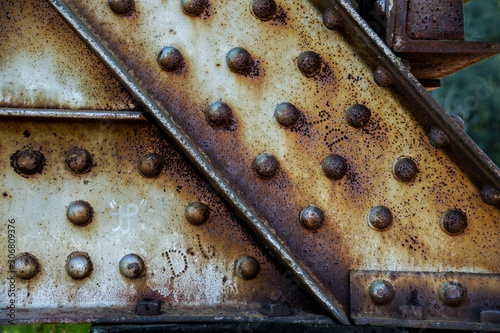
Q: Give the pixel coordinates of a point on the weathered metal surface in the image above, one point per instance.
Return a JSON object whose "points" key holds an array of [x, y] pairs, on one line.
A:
{"points": [[424, 299], [97, 115]]}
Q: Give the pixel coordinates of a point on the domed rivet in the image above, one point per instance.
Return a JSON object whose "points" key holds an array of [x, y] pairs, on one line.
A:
{"points": [[26, 266], [218, 114], [438, 139], [239, 60], [332, 20], [381, 292], [131, 266], [382, 77], [79, 160], [380, 218], [334, 166], [78, 265], [265, 166], [80, 213], [193, 7], [170, 59], [309, 63], [459, 121], [28, 162], [197, 213], [358, 115], [453, 221], [312, 217], [263, 9], [404, 169], [121, 6], [452, 293], [490, 195], [286, 114], [247, 267], [151, 165]]}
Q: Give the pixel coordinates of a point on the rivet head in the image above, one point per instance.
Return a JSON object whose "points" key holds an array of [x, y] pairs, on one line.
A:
{"points": [[358, 115], [131, 266], [263, 9], [309, 63], [490, 195], [459, 121], [453, 221], [286, 114], [28, 162], [380, 218], [381, 292], [197, 213], [121, 6], [239, 60], [151, 165], [79, 160], [452, 293], [80, 213], [193, 7], [78, 265], [404, 169], [382, 77], [312, 217], [265, 166], [334, 166], [170, 59], [331, 20], [26, 266], [247, 267], [218, 114], [438, 139]]}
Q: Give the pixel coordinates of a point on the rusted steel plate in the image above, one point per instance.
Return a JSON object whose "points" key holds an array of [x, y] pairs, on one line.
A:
{"points": [[425, 299]]}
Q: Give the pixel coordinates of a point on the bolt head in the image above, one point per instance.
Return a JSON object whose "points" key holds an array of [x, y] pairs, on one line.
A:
{"points": [[454, 221], [438, 139], [382, 77], [490, 195], [131, 266], [79, 160], [263, 9], [404, 169], [78, 265], [332, 20], [265, 166], [28, 162], [286, 114], [358, 115], [218, 114], [247, 267], [309, 63], [193, 7], [459, 121], [452, 293], [170, 59], [151, 165], [312, 217], [380, 218], [80, 213], [334, 166], [239, 60], [197, 213], [381, 292], [26, 266], [121, 6]]}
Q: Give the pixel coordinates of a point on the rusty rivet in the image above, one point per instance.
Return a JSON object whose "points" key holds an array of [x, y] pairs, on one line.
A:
{"points": [[197, 213], [453, 221], [404, 169], [263, 9], [382, 77], [380, 218], [334, 166], [26, 266], [218, 114], [78, 265], [131, 265], [438, 139], [151, 165], [309, 63], [459, 121], [193, 7], [80, 213], [452, 293], [169, 59], [382, 292], [265, 166], [358, 115], [286, 114], [490, 195], [312, 217], [331, 20], [29, 162], [79, 160], [239, 60], [121, 6], [247, 267]]}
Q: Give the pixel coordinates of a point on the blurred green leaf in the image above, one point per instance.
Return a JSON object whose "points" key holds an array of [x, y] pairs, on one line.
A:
{"points": [[50, 328]]}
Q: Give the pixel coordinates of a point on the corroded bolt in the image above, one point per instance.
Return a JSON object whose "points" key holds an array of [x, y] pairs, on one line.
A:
{"points": [[26, 266], [452, 293], [78, 265], [131, 266], [404, 169], [29, 162], [312, 217], [382, 77], [169, 59], [263, 9], [490, 195], [309, 63], [121, 6], [453, 221], [193, 7], [265, 166], [382, 292], [332, 20], [239, 60], [247, 267], [151, 165], [459, 121], [438, 139], [80, 213], [197, 213], [334, 166], [358, 115], [79, 160], [380, 218], [286, 114], [218, 114]]}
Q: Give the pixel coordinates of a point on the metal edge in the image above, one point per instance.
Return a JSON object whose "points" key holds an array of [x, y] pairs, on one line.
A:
{"points": [[448, 325], [71, 114]]}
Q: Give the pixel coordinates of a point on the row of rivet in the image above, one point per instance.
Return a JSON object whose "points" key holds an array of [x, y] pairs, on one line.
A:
{"points": [[29, 161]]}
